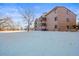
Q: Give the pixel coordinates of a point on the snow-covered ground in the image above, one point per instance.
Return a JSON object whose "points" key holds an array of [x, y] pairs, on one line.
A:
{"points": [[39, 43]]}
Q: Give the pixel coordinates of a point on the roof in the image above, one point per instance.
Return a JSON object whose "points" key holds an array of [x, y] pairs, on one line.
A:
{"points": [[59, 7]]}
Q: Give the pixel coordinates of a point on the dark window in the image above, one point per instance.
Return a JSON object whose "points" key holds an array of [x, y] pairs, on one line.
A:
{"points": [[67, 19], [55, 18], [67, 27], [55, 26]]}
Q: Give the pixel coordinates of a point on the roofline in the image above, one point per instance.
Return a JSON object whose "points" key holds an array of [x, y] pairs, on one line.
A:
{"points": [[59, 7], [51, 10], [70, 11]]}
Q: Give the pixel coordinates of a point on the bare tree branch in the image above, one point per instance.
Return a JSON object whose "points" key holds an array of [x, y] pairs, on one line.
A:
{"points": [[27, 15]]}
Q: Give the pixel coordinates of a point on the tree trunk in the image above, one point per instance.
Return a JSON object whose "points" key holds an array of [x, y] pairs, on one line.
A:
{"points": [[28, 28]]}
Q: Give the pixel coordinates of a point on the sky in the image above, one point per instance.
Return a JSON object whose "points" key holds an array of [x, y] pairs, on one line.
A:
{"points": [[11, 9]]}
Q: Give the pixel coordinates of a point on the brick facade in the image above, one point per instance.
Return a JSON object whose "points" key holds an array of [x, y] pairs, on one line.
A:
{"points": [[58, 19]]}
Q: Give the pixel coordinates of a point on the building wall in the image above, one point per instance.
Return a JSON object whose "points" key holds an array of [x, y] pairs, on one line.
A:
{"points": [[50, 21], [62, 15], [64, 18]]}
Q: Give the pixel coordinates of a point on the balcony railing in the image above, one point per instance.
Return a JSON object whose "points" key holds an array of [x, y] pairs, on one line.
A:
{"points": [[43, 24], [43, 20]]}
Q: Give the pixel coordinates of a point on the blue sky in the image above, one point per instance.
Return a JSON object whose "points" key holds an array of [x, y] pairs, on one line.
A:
{"points": [[11, 9]]}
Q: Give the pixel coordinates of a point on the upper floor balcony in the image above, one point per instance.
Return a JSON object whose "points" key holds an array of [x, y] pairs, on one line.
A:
{"points": [[43, 19]]}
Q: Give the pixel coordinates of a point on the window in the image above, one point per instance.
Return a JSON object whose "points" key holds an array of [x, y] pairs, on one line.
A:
{"points": [[55, 26], [67, 27], [67, 19], [55, 18]]}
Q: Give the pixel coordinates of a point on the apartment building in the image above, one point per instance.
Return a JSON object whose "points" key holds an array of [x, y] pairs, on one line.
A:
{"points": [[58, 19]]}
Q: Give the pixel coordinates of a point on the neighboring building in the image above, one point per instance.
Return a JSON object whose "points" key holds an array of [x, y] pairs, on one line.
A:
{"points": [[58, 19]]}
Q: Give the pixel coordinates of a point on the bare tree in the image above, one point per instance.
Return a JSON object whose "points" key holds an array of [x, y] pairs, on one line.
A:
{"points": [[1, 22], [28, 15], [6, 23]]}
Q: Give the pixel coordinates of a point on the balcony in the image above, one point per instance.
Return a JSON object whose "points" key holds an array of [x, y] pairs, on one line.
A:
{"points": [[43, 28], [43, 24], [43, 19]]}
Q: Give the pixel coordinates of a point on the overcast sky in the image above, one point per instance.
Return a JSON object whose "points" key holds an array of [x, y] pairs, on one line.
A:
{"points": [[11, 9]]}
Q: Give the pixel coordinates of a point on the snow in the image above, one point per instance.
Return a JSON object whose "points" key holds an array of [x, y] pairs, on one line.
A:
{"points": [[39, 43]]}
